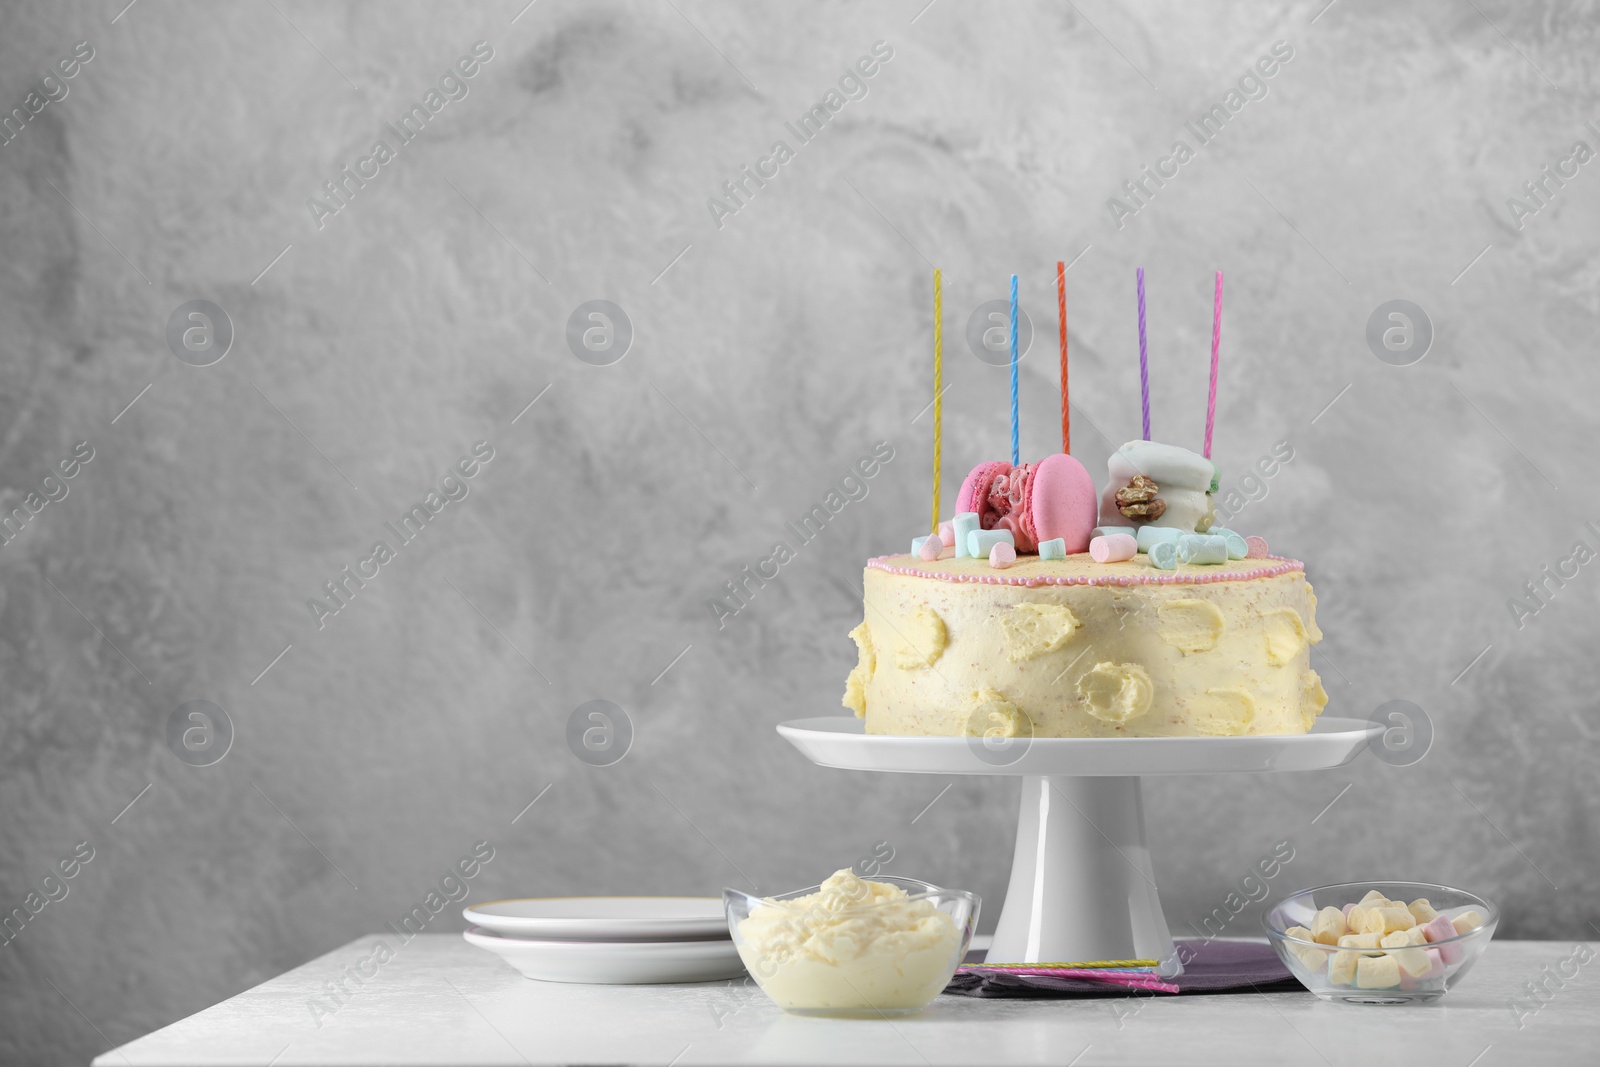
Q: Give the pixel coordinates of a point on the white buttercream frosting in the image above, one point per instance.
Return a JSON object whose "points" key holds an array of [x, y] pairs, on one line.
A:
{"points": [[852, 945], [1203, 649]]}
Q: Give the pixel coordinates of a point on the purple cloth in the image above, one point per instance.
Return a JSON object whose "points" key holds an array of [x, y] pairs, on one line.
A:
{"points": [[1209, 967]]}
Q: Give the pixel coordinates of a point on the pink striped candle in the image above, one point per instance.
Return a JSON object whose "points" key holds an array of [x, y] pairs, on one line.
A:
{"points": [[1144, 359], [1216, 344]]}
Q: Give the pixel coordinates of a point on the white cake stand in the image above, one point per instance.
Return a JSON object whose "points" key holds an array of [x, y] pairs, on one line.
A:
{"points": [[1081, 884]]}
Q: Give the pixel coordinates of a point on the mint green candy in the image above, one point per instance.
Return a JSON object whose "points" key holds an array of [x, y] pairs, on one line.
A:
{"points": [[1237, 549], [1202, 548], [1149, 535], [1055, 548], [965, 522], [979, 542], [1164, 555]]}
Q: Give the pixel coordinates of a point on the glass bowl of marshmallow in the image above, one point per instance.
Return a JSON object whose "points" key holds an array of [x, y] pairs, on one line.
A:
{"points": [[853, 947], [1381, 942]]}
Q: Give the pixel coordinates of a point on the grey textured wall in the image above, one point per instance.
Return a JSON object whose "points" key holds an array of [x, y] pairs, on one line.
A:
{"points": [[772, 347]]}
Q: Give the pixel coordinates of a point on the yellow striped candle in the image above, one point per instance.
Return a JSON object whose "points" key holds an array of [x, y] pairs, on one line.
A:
{"points": [[938, 393]]}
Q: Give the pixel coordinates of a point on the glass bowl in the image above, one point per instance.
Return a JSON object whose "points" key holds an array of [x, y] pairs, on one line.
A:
{"points": [[1398, 974], [823, 953]]}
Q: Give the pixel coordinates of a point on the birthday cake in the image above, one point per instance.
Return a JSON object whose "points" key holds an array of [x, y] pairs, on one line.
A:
{"points": [[1045, 609]]}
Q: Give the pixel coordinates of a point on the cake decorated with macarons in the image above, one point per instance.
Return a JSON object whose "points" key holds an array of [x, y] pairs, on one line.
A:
{"points": [[1046, 606]]}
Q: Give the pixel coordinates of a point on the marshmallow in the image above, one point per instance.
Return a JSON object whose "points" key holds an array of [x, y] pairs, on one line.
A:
{"points": [[979, 542], [1368, 920], [1377, 972], [1442, 929], [1002, 555], [1328, 926], [1367, 940], [1413, 961], [964, 523], [1436, 968], [1422, 911], [947, 534], [1107, 531], [1372, 897], [1055, 548], [1313, 959], [1386, 918], [1438, 928], [1113, 549], [931, 549], [1398, 917], [917, 543], [1202, 548], [1466, 922], [1348, 908], [1149, 535], [1237, 548], [1163, 555], [1257, 547], [1342, 968]]}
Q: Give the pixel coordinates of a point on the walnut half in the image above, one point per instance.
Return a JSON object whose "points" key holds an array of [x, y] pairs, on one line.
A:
{"points": [[1138, 499]]}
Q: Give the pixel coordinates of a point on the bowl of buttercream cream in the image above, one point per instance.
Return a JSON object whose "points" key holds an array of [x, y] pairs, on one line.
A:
{"points": [[851, 946]]}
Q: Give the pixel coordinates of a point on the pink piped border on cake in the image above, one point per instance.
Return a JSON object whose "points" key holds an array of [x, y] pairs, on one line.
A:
{"points": [[1281, 565]]}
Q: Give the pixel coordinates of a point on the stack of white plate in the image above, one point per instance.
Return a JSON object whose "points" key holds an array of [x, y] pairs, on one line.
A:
{"points": [[608, 940]]}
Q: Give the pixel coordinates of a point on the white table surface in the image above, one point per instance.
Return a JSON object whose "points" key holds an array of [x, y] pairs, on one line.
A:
{"points": [[439, 1000]]}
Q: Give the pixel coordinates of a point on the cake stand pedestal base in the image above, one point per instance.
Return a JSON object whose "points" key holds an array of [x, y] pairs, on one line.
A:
{"points": [[1081, 884]]}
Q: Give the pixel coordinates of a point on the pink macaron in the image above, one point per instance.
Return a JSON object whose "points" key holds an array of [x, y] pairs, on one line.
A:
{"points": [[997, 493], [1062, 502], [974, 495], [1036, 502]]}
